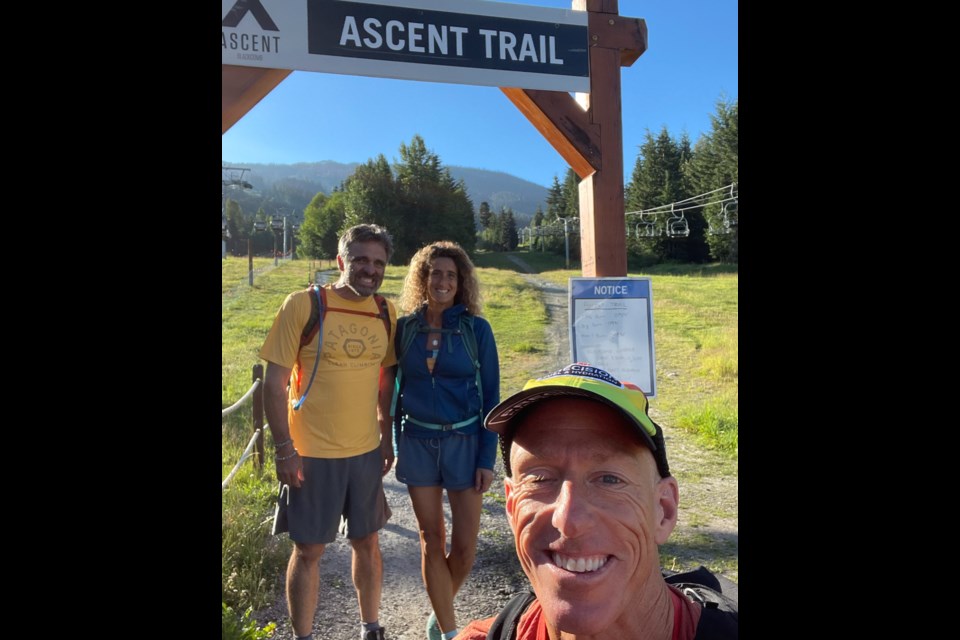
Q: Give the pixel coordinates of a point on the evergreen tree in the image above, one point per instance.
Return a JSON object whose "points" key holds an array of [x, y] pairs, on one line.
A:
{"points": [[486, 217], [658, 179], [571, 195], [456, 219], [537, 217], [416, 199], [715, 165], [372, 196], [323, 220], [555, 200], [508, 230]]}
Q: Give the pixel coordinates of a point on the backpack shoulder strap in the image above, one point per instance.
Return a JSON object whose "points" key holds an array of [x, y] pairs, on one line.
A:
{"points": [[705, 587], [504, 627], [717, 624], [470, 342], [384, 312], [719, 619], [318, 301], [318, 309], [406, 335], [406, 332], [470, 338]]}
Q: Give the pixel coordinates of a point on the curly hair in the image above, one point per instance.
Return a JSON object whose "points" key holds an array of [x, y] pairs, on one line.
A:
{"points": [[414, 292]]}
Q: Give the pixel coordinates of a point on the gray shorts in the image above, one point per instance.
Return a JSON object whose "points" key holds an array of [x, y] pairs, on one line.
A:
{"points": [[343, 494], [449, 462]]}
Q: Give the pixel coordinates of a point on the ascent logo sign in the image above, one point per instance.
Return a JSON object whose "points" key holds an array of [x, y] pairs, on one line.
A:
{"points": [[242, 43], [241, 8], [464, 42]]}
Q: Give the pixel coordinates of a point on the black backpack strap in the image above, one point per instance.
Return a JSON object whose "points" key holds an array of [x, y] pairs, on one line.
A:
{"points": [[719, 619], [717, 624], [504, 627], [700, 575]]}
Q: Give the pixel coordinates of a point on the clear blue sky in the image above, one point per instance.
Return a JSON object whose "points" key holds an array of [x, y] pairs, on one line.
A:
{"points": [[691, 62]]}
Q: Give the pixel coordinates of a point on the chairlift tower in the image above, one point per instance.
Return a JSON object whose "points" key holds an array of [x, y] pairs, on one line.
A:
{"points": [[566, 235]]}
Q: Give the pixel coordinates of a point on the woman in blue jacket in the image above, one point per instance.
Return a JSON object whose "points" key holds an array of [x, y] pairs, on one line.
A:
{"points": [[444, 398]]}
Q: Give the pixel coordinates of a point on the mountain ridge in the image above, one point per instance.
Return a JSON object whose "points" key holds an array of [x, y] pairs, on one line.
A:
{"points": [[280, 188]]}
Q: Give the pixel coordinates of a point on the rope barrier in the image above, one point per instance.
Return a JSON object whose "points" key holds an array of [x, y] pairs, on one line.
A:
{"points": [[243, 457], [235, 405]]}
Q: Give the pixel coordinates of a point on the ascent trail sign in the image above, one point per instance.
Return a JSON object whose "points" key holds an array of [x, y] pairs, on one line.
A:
{"points": [[465, 42], [537, 57]]}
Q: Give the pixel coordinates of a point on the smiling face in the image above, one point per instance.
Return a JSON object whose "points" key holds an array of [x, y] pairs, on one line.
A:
{"points": [[588, 511], [442, 282], [361, 271]]}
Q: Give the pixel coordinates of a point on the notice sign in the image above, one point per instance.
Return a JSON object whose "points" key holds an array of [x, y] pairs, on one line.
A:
{"points": [[611, 327], [464, 42]]}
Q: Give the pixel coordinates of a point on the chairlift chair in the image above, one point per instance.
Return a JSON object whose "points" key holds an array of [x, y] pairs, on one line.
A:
{"points": [[730, 214], [677, 226], [647, 227]]}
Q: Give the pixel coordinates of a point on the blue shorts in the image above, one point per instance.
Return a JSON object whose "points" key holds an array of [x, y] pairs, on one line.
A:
{"points": [[343, 494], [449, 462]]}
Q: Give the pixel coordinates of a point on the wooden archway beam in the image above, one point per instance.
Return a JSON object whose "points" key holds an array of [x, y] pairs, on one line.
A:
{"points": [[590, 137], [556, 114], [243, 87], [564, 123]]}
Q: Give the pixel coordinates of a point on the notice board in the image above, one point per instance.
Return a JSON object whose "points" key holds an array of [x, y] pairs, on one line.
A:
{"points": [[611, 327]]}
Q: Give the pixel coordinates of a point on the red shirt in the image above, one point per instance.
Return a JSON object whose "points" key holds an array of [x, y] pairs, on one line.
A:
{"points": [[533, 626]]}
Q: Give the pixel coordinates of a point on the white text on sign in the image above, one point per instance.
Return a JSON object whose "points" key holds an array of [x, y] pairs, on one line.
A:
{"points": [[419, 37], [611, 290]]}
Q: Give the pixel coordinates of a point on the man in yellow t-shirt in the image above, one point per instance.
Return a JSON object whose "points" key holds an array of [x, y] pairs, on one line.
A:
{"points": [[333, 446]]}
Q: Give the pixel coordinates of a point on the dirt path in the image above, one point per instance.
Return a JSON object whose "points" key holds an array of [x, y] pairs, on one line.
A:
{"points": [[496, 575]]}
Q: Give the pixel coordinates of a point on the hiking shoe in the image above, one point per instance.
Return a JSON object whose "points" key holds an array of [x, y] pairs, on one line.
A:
{"points": [[374, 634], [433, 628]]}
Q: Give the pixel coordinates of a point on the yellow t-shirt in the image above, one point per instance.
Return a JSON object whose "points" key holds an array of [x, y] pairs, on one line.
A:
{"points": [[339, 417]]}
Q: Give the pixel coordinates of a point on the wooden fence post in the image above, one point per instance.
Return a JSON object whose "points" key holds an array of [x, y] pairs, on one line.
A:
{"points": [[258, 415], [250, 258]]}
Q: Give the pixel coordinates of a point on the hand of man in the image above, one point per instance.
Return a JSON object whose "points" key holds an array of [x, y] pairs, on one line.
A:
{"points": [[483, 479], [290, 471], [386, 448]]}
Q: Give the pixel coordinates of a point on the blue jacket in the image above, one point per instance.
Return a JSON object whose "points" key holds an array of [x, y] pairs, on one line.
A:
{"points": [[449, 394]]}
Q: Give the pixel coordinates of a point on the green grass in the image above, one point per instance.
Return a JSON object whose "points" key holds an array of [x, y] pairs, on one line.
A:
{"points": [[696, 341], [235, 626]]}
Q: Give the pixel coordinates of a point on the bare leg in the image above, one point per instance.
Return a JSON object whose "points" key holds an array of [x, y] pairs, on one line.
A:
{"points": [[444, 574], [303, 586], [368, 575], [465, 508]]}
